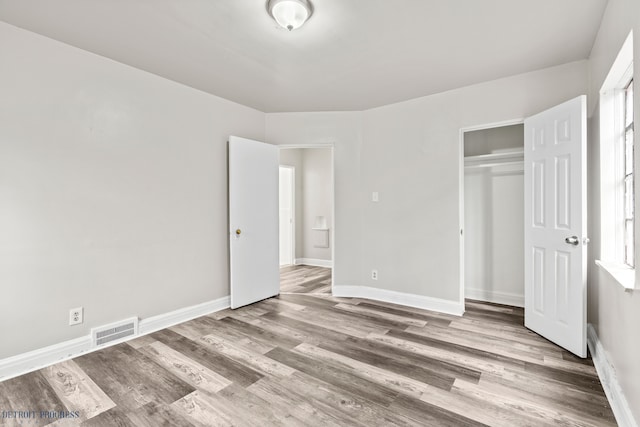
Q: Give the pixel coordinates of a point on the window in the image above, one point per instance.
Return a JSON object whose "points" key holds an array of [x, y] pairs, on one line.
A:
{"points": [[628, 179], [617, 170]]}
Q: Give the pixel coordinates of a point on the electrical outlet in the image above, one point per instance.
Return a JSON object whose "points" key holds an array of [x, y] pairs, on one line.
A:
{"points": [[374, 274], [76, 316]]}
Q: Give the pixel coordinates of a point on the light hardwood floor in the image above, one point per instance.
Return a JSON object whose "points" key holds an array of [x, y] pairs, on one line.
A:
{"points": [[305, 279], [311, 359]]}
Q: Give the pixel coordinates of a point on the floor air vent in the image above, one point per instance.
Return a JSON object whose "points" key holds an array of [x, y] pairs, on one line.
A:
{"points": [[114, 332]]}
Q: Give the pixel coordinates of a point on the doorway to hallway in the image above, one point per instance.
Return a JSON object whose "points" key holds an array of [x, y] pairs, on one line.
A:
{"points": [[306, 218]]}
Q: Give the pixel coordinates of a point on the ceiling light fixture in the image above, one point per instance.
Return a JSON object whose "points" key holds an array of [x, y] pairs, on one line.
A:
{"points": [[290, 14]]}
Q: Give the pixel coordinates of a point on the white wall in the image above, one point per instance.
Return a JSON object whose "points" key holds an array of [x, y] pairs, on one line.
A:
{"points": [[494, 140], [614, 312], [113, 191], [317, 200], [409, 153], [494, 234], [413, 236]]}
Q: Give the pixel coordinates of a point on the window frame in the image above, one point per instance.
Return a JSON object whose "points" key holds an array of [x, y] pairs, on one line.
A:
{"points": [[612, 170], [627, 240]]}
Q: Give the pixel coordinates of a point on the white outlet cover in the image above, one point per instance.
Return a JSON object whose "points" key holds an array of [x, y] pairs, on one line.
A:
{"points": [[375, 197], [76, 316]]}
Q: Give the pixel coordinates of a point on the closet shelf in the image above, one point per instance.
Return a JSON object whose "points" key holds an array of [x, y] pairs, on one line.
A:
{"points": [[495, 159]]}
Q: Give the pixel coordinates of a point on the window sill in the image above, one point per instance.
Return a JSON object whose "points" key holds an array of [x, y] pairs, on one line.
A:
{"points": [[623, 274]]}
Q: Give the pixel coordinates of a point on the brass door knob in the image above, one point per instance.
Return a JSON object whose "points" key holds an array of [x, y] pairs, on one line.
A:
{"points": [[238, 232]]}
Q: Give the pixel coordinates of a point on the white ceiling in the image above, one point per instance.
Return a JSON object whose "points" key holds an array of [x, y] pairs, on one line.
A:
{"points": [[351, 54]]}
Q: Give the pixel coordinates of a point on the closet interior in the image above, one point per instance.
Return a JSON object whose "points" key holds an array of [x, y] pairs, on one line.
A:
{"points": [[494, 215]]}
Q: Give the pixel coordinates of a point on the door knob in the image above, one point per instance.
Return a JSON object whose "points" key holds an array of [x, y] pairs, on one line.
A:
{"points": [[238, 232], [573, 240]]}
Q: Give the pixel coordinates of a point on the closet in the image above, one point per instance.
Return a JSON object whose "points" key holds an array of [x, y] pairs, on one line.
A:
{"points": [[494, 215]]}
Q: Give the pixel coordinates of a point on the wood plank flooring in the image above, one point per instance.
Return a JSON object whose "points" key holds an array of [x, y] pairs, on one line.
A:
{"points": [[304, 279], [308, 359]]}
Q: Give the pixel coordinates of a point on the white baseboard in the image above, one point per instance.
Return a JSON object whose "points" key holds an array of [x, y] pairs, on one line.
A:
{"points": [[607, 374], [314, 262], [42, 357], [46, 356], [497, 297], [411, 300], [162, 321]]}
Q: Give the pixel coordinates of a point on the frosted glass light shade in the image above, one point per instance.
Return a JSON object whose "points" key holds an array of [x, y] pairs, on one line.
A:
{"points": [[290, 14]]}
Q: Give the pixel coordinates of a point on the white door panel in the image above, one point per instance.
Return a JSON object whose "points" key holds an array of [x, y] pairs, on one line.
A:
{"points": [[253, 221], [555, 219]]}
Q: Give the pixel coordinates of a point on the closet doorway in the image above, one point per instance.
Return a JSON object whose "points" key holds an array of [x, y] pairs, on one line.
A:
{"points": [[492, 214]]}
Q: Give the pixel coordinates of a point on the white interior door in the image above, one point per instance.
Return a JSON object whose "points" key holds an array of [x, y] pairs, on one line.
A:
{"points": [[253, 221], [555, 224], [286, 214]]}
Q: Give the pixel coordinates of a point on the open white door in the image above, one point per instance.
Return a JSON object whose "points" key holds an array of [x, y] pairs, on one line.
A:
{"points": [[253, 221], [555, 224]]}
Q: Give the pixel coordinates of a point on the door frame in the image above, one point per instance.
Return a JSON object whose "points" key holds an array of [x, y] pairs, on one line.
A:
{"points": [[292, 190], [332, 231], [461, 236]]}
